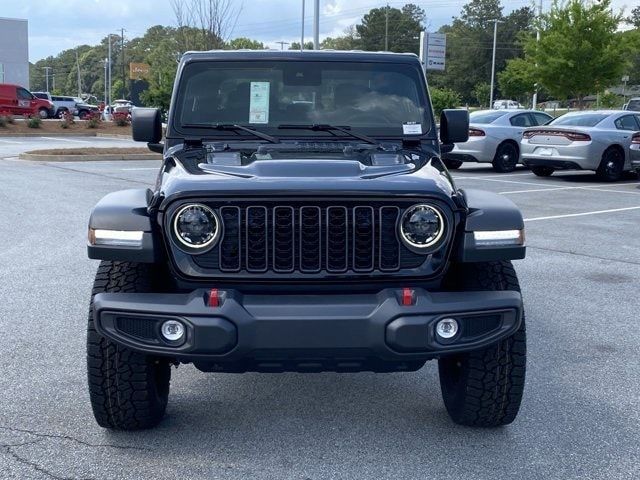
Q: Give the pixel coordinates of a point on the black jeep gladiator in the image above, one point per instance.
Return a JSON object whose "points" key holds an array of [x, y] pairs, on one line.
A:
{"points": [[302, 220]]}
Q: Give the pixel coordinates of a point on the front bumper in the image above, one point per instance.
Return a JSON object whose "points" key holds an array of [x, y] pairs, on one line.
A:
{"points": [[307, 332]]}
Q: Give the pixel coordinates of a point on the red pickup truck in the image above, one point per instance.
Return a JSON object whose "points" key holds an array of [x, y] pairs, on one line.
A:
{"points": [[17, 100]]}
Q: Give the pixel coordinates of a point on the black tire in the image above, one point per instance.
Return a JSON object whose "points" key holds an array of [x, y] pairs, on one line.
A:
{"points": [[83, 114], [43, 113], [61, 113], [484, 388], [611, 166], [452, 164], [506, 158], [542, 171], [128, 390]]}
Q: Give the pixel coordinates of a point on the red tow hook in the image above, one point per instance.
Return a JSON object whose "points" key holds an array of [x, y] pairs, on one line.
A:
{"points": [[213, 299], [408, 297]]}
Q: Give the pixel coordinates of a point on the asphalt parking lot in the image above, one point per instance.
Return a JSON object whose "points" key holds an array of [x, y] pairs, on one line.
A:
{"points": [[580, 417]]}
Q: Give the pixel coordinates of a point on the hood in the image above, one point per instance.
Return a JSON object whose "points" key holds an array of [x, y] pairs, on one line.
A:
{"points": [[309, 178]]}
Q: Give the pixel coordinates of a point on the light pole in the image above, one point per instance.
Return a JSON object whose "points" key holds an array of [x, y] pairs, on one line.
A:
{"points": [[535, 92], [625, 79], [493, 61], [302, 28], [106, 79], [282, 44], [316, 25], [46, 73]]}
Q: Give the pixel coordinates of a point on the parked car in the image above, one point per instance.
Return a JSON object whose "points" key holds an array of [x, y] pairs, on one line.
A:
{"points": [[43, 95], [64, 105], [494, 137], [585, 140], [85, 110], [276, 240], [18, 100], [633, 105], [506, 105], [122, 106], [635, 152]]}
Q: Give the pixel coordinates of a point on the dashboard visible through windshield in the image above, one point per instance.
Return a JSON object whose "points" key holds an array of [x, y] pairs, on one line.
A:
{"points": [[377, 99]]}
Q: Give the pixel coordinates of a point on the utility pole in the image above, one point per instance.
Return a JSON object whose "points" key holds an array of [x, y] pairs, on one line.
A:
{"points": [[302, 28], [46, 74], [316, 25], [53, 77], [493, 61], [282, 44], [386, 29], [535, 92], [106, 79], [124, 82], [79, 81]]}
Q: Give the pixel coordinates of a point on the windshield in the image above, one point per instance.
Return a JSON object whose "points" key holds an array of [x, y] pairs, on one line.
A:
{"points": [[634, 105], [485, 117], [383, 99], [580, 120]]}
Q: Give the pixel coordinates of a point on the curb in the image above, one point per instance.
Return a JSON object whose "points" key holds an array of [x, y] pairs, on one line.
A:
{"points": [[114, 135], [89, 158], [45, 134]]}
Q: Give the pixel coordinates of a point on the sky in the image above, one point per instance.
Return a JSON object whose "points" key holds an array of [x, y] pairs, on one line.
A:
{"points": [[55, 25]]}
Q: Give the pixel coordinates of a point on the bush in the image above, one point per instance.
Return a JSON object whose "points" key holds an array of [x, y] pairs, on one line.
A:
{"points": [[34, 122], [94, 120], [121, 119], [443, 98], [6, 118], [67, 120]]}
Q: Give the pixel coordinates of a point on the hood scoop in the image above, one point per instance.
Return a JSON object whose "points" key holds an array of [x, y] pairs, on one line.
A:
{"points": [[293, 168]]}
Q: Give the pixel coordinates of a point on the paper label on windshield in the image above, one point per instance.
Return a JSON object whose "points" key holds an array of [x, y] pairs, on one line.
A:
{"points": [[259, 103], [412, 128]]}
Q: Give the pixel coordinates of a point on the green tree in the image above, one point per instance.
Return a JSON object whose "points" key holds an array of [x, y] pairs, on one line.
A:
{"points": [[296, 46], [482, 93], [634, 18], [470, 45], [399, 28], [442, 98], [348, 41], [518, 79], [243, 43], [579, 52]]}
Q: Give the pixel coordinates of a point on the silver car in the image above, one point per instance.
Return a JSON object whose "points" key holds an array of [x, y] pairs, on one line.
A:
{"points": [[593, 140], [494, 137], [635, 152]]}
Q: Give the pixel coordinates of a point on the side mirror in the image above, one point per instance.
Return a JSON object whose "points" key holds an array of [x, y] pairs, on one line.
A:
{"points": [[146, 125], [454, 126]]}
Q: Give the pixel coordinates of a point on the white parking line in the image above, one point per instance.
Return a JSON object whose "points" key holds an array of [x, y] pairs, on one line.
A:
{"points": [[504, 181], [491, 176], [12, 142], [538, 190], [552, 217], [66, 140], [599, 188]]}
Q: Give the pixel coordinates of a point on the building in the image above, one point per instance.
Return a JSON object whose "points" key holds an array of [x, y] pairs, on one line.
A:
{"points": [[14, 51]]}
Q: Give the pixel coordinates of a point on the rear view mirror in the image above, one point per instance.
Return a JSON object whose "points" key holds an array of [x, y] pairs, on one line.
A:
{"points": [[146, 125], [454, 126]]}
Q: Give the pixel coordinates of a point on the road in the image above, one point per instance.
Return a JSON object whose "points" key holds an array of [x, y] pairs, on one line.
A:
{"points": [[580, 417]]}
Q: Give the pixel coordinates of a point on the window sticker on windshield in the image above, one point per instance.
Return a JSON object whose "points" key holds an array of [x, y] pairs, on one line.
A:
{"points": [[259, 103], [412, 128]]}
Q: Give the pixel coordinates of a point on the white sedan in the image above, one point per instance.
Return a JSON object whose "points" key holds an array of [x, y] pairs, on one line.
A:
{"points": [[589, 140], [494, 137]]}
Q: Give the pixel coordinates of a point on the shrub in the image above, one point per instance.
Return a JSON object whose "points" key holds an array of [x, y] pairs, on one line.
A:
{"points": [[121, 119], [34, 122], [443, 98], [67, 120], [6, 118], [94, 120]]}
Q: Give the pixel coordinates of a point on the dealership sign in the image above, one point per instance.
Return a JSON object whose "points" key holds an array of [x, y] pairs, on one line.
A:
{"points": [[433, 50], [139, 71]]}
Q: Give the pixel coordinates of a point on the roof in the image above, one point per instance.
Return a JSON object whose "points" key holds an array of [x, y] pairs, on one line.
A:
{"points": [[318, 55]]}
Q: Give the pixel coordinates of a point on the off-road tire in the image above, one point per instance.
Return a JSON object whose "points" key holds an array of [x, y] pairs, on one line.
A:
{"points": [[542, 171], [506, 158], [611, 166], [128, 390], [452, 164], [483, 388], [43, 113]]}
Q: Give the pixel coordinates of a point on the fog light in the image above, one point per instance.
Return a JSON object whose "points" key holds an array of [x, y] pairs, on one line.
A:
{"points": [[172, 330], [447, 328]]}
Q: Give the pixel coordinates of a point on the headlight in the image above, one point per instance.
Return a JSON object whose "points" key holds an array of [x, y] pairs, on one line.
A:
{"points": [[196, 227], [421, 227]]}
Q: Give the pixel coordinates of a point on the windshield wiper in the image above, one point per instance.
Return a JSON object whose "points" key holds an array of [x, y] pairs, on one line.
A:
{"points": [[328, 128], [233, 127]]}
